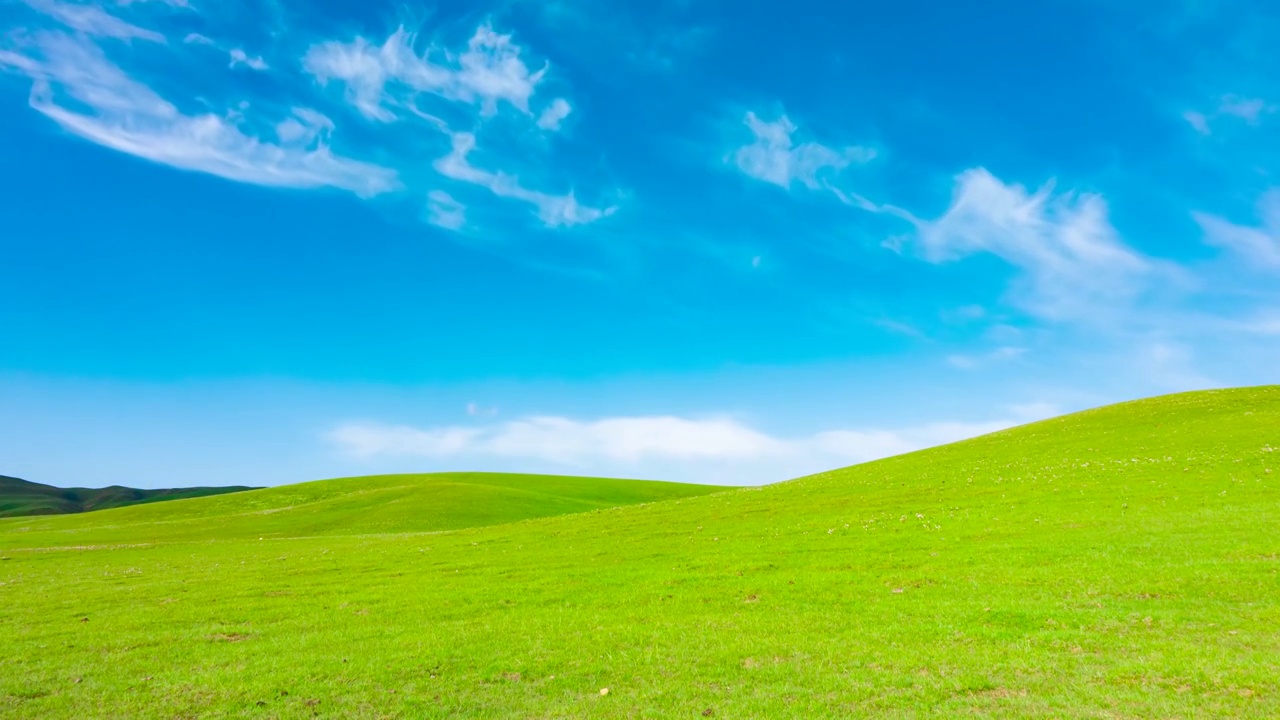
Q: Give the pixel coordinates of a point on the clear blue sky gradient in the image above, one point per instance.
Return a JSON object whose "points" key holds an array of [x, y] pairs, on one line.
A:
{"points": [[261, 242]]}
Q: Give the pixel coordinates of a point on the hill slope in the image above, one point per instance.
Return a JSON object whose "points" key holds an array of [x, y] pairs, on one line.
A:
{"points": [[22, 497], [1115, 563], [354, 506]]}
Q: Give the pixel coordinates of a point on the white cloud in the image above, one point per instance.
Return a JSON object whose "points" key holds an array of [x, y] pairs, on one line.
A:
{"points": [[555, 114], [20, 63], [304, 127], [565, 441], [364, 68], [237, 56], [379, 78], [491, 70], [365, 441], [775, 158], [93, 20], [443, 211], [1198, 121], [1259, 245], [240, 57], [1072, 259], [125, 115], [553, 210], [1249, 110], [622, 443]]}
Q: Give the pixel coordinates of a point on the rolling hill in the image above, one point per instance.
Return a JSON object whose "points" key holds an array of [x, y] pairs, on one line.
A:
{"points": [[356, 506], [1121, 562], [21, 497]]}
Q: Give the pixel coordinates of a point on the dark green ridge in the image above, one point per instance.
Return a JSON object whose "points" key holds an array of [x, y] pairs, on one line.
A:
{"points": [[20, 497]]}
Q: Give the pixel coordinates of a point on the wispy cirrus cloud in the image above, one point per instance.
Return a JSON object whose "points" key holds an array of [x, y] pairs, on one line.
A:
{"points": [[1258, 245], [1073, 262], [304, 126], [379, 79], [554, 114], [1249, 110], [93, 20], [773, 156], [1072, 265], [118, 112], [253, 62], [81, 82], [237, 56], [553, 210], [386, 82], [444, 211]]}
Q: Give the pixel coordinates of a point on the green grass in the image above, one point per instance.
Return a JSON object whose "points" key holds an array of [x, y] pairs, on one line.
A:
{"points": [[384, 504], [1116, 563], [21, 497]]}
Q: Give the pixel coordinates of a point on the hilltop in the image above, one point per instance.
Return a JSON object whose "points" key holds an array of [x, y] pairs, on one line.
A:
{"points": [[1120, 562], [21, 497]]}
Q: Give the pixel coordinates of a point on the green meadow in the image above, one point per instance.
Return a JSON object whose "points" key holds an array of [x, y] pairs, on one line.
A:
{"points": [[386, 504], [1118, 563]]}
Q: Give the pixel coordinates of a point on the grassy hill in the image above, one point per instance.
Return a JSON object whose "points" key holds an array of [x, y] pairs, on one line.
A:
{"points": [[21, 497], [352, 506], [1121, 562]]}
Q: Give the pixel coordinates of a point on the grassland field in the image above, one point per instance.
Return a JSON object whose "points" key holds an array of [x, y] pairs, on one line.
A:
{"points": [[1118, 563]]}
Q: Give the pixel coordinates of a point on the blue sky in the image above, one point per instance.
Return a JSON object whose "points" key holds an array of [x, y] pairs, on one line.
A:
{"points": [[259, 241]]}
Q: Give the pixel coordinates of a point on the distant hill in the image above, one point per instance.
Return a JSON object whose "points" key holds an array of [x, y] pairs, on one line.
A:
{"points": [[376, 504], [21, 497]]}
